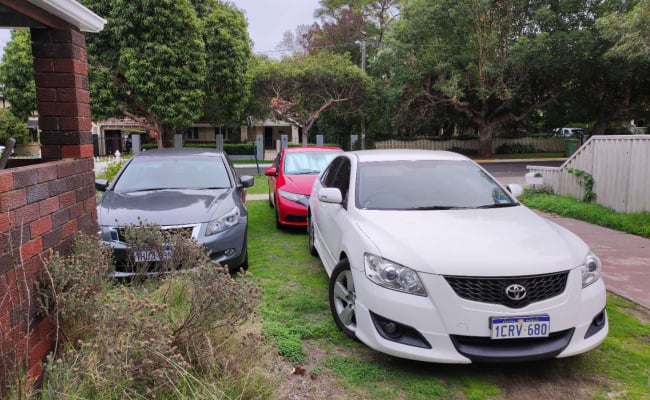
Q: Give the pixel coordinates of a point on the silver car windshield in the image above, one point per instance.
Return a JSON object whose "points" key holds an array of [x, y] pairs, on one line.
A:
{"points": [[311, 162], [143, 174], [427, 185]]}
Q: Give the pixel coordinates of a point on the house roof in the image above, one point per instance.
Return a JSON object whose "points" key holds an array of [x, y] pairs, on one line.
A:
{"points": [[72, 12]]}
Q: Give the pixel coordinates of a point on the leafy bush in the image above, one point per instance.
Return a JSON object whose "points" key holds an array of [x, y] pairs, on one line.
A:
{"points": [[11, 126], [239, 149], [175, 336], [111, 170], [149, 146], [516, 148]]}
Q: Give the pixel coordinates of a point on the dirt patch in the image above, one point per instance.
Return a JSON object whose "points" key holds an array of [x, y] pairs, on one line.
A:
{"points": [[306, 381]]}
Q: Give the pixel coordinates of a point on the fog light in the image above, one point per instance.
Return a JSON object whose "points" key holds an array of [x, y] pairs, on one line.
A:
{"points": [[597, 324], [398, 333], [230, 252], [389, 327]]}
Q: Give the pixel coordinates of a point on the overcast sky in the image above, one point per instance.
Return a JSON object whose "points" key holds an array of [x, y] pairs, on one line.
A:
{"points": [[267, 21]]}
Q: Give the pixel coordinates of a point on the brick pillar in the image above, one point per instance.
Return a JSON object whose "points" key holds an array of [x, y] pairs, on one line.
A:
{"points": [[61, 74]]}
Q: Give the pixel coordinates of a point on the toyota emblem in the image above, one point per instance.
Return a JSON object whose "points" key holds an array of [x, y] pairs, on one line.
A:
{"points": [[516, 292]]}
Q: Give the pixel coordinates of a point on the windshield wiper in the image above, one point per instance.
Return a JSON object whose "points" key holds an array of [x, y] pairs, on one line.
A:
{"points": [[146, 190], [438, 208], [498, 205]]}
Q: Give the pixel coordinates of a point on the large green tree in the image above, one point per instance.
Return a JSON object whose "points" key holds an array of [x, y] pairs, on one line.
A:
{"points": [[149, 63], [302, 88], [228, 57], [494, 62], [168, 63], [17, 74]]}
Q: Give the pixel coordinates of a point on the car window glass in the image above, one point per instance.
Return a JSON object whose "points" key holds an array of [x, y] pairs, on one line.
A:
{"points": [[342, 178], [173, 173], [233, 170], [330, 172], [431, 184]]}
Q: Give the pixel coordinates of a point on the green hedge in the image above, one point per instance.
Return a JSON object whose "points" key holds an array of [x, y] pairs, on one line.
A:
{"points": [[516, 148], [232, 149]]}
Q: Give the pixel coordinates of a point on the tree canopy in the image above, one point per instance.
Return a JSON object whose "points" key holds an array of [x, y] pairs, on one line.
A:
{"points": [[17, 75], [169, 62], [302, 88], [493, 62]]}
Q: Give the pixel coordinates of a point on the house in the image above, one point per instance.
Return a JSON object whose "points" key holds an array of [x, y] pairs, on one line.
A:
{"points": [[45, 201], [113, 134]]}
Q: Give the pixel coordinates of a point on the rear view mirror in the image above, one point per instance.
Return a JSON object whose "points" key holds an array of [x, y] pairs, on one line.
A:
{"points": [[271, 172]]}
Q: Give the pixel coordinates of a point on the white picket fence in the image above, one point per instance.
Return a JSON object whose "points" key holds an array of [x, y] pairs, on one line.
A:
{"points": [[620, 166], [543, 144]]}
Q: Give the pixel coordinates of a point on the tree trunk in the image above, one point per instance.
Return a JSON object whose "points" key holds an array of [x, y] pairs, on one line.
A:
{"points": [[166, 136], [305, 135], [599, 127], [485, 140]]}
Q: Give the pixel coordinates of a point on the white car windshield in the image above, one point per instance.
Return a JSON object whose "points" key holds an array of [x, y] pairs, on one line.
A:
{"points": [[145, 173], [311, 162], [427, 185]]}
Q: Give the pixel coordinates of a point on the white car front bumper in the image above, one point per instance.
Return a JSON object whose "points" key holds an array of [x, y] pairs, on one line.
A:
{"points": [[450, 329]]}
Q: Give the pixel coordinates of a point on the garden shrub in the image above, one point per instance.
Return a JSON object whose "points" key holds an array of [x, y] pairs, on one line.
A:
{"points": [[516, 148], [174, 336]]}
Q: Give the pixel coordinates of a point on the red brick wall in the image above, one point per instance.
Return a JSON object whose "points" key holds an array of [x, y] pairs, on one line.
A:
{"points": [[41, 208], [44, 204]]}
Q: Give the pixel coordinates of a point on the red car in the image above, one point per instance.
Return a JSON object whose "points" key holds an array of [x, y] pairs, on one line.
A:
{"points": [[291, 178]]}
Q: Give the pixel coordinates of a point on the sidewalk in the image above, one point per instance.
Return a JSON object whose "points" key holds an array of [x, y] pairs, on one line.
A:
{"points": [[625, 257]]}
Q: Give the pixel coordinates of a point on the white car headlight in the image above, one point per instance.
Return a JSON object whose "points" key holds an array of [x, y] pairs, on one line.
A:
{"points": [[228, 220], [293, 196], [392, 275], [590, 269]]}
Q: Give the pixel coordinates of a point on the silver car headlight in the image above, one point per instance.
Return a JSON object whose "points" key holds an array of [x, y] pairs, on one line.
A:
{"points": [[590, 269], [228, 220], [393, 276], [295, 197]]}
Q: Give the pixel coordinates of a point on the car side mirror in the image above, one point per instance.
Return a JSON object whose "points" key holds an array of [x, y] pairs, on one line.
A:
{"points": [[330, 195], [101, 184], [515, 189], [247, 180], [271, 172]]}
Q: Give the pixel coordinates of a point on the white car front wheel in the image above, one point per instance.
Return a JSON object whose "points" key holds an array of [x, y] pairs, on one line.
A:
{"points": [[342, 296]]}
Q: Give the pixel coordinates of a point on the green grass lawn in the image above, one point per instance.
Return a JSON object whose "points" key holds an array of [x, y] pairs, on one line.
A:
{"points": [[567, 206], [261, 185], [296, 317]]}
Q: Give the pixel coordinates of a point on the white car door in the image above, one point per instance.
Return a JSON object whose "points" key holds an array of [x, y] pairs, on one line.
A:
{"points": [[330, 215]]}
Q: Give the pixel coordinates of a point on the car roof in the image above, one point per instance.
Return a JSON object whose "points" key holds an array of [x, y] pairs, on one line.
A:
{"points": [[405, 154], [181, 152], [302, 149]]}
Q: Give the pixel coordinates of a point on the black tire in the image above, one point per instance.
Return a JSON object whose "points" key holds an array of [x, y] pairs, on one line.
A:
{"points": [[342, 298], [310, 232]]}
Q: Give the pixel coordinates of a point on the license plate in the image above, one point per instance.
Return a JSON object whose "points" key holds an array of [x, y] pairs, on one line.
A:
{"points": [[520, 327], [151, 255]]}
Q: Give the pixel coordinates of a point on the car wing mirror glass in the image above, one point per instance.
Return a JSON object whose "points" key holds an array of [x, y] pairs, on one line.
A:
{"points": [[270, 171]]}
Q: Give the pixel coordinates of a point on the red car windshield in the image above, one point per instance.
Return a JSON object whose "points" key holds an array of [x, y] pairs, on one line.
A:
{"points": [[312, 162]]}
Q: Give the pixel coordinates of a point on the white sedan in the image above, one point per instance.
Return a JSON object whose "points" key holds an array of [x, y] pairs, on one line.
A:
{"points": [[431, 259]]}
